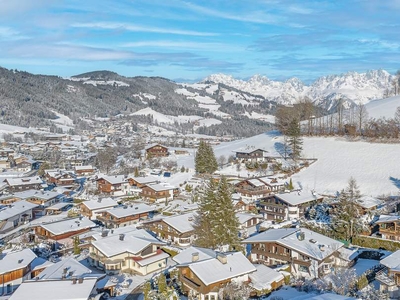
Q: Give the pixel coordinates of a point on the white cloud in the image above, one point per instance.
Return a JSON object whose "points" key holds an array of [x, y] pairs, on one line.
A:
{"points": [[136, 28]]}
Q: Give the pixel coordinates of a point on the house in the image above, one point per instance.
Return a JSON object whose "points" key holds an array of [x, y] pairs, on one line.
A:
{"points": [[84, 170], [250, 153], [71, 289], [204, 278], [16, 214], [287, 206], [140, 182], [308, 253], [253, 188], [368, 203], [15, 267], [60, 177], [159, 192], [125, 215], [136, 252], [265, 279], [58, 208], [4, 163], [389, 227], [193, 254], [156, 150], [63, 229], [113, 185], [41, 198], [7, 152], [92, 208], [389, 277], [24, 183], [177, 229], [248, 223]]}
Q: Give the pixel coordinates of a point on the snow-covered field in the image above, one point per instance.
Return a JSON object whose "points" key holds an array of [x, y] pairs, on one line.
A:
{"points": [[383, 108], [376, 167]]}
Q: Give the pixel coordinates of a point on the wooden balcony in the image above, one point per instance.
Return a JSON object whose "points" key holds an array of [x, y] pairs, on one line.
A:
{"points": [[190, 283]]}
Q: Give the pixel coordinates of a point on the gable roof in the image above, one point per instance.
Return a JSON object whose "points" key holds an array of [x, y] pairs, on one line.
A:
{"points": [[129, 210], [249, 149], [161, 187], [264, 277], [392, 261], [115, 179], [153, 145], [212, 270], [297, 198], [133, 242], [23, 181], [182, 223], [144, 180], [185, 256], [68, 225], [100, 203], [70, 264], [15, 209], [11, 261]]}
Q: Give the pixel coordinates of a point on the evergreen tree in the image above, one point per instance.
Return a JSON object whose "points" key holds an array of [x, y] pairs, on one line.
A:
{"points": [[77, 250], [290, 185], [205, 161], [346, 217], [294, 139], [136, 174], [216, 224]]}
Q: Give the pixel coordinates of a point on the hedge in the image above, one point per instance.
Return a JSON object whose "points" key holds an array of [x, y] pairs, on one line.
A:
{"points": [[376, 243]]}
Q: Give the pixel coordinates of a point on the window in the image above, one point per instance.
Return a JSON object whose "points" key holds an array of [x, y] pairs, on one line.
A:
{"points": [[303, 269]]}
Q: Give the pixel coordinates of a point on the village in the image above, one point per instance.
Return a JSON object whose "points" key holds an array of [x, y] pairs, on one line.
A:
{"points": [[125, 230]]}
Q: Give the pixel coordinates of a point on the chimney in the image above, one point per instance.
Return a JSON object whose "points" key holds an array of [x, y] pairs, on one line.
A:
{"points": [[73, 280], [65, 271], [121, 237], [322, 247], [70, 273], [80, 280], [104, 233], [195, 256], [300, 236], [222, 258]]}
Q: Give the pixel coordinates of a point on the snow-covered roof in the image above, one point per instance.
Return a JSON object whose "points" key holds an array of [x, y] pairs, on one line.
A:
{"points": [[314, 245], [152, 259], [54, 290], [153, 145], [59, 205], [68, 267], [296, 198], [244, 217], [256, 182], [264, 277], [10, 261], [44, 195], [161, 187], [68, 225], [40, 263], [249, 149], [347, 253], [24, 181], [100, 203], [392, 261], [387, 219], [114, 231], [133, 242], [212, 270], [369, 202], [115, 179], [79, 168], [185, 256], [182, 223], [130, 210], [144, 180], [15, 209]]}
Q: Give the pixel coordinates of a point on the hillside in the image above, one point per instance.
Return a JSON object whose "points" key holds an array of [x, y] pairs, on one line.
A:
{"points": [[383, 108]]}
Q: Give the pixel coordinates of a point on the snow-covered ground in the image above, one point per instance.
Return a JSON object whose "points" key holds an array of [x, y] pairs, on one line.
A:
{"points": [[374, 166], [383, 108], [290, 293]]}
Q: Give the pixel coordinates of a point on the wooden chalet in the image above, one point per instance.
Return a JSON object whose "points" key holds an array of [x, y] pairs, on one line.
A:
{"points": [[15, 267], [112, 184], [24, 183], [125, 215], [250, 153], [176, 229], [16, 214], [389, 277], [308, 253], [60, 177], [92, 208], [389, 227], [287, 206], [158, 192], [204, 278], [84, 170], [156, 150], [63, 229]]}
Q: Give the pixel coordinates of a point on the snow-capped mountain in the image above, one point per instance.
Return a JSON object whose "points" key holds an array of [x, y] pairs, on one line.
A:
{"points": [[352, 87]]}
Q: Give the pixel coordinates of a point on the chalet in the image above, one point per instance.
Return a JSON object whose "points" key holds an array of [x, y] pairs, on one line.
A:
{"points": [[177, 229], [204, 278], [113, 185], [15, 267], [367, 204], [389, 227], [42, 198], [140, 182], [9, 199], [248, 224], [193, 254], [24, 166], [252, 188], [158, 192], [250, 153], [265, 278], [71, 289], [58, 208], [308, 253], [389, 277], [84, 170], [5, 163], [136, 252], [60, 177], [92, 208], [63, 229], [125, 215], [24, 183], [287, 206], [7, 152], [16, 214], [156, 150]]}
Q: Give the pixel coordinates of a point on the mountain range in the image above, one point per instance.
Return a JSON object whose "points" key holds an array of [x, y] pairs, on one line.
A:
{"points": [[227, 105]]}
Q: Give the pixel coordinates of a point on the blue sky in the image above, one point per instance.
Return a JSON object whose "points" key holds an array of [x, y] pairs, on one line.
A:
{"points": [[192, 39]]}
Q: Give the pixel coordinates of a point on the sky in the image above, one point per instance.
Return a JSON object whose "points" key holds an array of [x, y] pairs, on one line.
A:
{"points": [[189, 40]]}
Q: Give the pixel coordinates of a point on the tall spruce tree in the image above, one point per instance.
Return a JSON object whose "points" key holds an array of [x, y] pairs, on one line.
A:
{"points": [[216, 224], [346, 216], [294, 139], [205, 161]]}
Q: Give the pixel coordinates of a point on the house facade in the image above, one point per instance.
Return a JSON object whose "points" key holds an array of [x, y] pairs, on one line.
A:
{"points": [[63, 229], [389, 227], [156, 150], [125, 215], [16, 214], [309, 254], [158, 192], [389, 277], [112, 185]]}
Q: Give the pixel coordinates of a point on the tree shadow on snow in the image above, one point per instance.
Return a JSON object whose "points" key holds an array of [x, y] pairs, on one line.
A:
{"points": [[395, 181]]}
